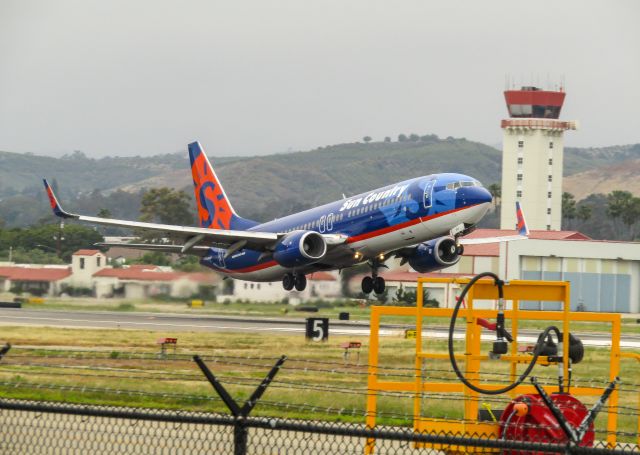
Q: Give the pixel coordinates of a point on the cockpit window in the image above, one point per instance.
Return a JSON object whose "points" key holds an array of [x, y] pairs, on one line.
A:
{"points": [[462, 183]]}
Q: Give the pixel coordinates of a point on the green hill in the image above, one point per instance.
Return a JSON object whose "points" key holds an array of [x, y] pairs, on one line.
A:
{"points": [[262, 187]]}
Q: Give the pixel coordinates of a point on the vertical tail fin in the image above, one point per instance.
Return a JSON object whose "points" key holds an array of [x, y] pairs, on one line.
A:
{"points": [[521, 224], [214, 209]]}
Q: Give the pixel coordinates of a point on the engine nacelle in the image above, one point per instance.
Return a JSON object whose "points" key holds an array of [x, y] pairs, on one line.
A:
{"points": [[300, 248], [435, 255]]}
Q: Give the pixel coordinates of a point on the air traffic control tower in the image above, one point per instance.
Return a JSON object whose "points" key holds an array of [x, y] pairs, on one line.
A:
{"points": [[532, 158]]}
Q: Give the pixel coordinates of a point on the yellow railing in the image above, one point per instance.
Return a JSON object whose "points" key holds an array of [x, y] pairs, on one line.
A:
{"points": [[515, 291], [633, 355]]}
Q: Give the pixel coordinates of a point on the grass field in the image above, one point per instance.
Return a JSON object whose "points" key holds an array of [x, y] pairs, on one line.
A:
{"points": [[122, 367]]}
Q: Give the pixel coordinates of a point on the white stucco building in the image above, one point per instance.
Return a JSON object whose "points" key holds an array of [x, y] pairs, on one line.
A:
{"points": [[320, 285]]}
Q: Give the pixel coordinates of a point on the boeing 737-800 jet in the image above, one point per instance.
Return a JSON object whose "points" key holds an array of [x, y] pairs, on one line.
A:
{"points": [[420, 220]]}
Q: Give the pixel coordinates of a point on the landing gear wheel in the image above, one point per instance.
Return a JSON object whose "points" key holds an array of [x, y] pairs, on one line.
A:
{"points": [[367, 285], [300, 282], [378, 285], [287, 282]]}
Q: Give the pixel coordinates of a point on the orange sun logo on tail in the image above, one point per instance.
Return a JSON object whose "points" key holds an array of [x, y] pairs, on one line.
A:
{"points": [[214, 209]]}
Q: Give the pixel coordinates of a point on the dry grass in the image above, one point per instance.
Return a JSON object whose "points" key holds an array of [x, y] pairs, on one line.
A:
{"points": [[316, 381]]}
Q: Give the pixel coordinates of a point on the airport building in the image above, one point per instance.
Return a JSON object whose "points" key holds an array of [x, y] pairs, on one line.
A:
{"points": [[90, 272], [532, 157], [321, 285], [604, 275]]}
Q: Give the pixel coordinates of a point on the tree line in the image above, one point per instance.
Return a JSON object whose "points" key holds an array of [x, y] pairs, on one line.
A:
{"points": [[614, 216]]}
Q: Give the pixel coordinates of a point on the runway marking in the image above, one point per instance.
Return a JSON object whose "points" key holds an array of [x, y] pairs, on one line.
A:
{"points": [[333, 330]]}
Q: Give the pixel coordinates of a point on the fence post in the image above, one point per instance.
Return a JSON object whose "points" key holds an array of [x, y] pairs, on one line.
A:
{"points": [[239, 413]]}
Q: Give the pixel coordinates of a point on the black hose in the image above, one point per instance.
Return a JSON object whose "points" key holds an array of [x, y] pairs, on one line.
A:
{"points": [[498, 282]]}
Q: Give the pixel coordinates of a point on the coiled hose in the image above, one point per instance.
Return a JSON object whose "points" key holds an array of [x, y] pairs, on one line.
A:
{"points": [[536, 353]]}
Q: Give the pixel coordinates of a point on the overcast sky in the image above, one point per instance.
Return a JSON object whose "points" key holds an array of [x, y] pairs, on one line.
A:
{"points": [[125, 77]]}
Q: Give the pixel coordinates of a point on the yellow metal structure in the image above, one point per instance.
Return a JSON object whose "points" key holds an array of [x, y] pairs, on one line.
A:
{"points": [[633, 355], [515, 291]]}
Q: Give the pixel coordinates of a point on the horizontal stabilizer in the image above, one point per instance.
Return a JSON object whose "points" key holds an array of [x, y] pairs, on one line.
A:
{"points": [[523, 232]]}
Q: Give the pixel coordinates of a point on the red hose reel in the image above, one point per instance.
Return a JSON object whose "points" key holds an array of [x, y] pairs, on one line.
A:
{"points": [[528, 418]]}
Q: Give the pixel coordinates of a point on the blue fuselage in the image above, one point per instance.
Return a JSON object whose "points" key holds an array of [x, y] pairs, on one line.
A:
{"points": [[372, 223]]}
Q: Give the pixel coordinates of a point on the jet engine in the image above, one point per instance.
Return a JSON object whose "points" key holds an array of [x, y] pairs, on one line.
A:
{"points": [[300, 248], [434, 255]]}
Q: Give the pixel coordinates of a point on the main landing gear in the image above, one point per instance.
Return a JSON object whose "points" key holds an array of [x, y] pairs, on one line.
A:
{"points": [[374, 282], [298, 281]]}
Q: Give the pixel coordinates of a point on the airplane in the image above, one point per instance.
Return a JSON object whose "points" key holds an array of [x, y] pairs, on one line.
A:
{"points": [[421, 221]]}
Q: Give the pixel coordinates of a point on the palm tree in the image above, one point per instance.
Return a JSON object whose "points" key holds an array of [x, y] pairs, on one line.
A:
{"points": [[621, 205], [568, 208], [496, 192]]}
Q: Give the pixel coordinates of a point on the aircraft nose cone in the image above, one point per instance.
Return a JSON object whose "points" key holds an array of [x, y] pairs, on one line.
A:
{"points": [[473, 195]]}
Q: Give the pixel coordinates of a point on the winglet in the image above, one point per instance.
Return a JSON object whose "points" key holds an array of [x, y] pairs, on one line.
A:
{"points": [[521, 225], [53, 201]]}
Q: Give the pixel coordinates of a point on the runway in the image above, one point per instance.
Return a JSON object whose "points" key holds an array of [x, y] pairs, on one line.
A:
{"points": [[172, 323]]}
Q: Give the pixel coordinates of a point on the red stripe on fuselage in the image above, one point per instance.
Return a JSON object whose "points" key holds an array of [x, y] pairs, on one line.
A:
{"points": [[251, 268], [395, 227]]}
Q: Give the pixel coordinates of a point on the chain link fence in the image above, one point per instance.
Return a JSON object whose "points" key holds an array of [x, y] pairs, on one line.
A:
{"points": [[31, 427]]}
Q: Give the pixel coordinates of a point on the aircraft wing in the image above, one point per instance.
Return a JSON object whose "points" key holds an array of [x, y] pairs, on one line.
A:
{"points": [[192, 236]]}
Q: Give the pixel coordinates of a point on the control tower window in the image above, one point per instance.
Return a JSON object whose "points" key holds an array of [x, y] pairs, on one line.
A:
{"points": [[550, 178], [549, 195], [550, 145], [520, 144], [550, 161], [520, 160], [519, 177], [548, 211], [519, 193]]}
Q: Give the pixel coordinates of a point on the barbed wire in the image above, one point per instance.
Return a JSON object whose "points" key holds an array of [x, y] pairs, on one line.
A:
{"points": [[431, 376], [283, 384], [381, 370], [150, 374]]}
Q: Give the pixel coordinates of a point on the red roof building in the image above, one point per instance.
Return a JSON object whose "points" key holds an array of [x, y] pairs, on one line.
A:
{"points": [[86, 252], [43, 274], [37, 280]]}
